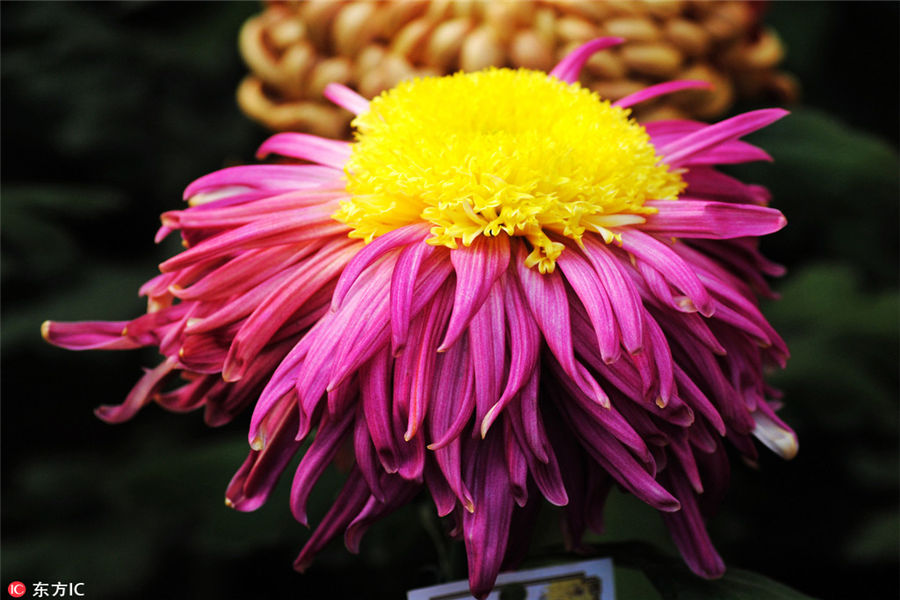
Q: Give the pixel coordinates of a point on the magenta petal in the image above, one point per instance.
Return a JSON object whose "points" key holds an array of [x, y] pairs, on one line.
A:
{"points": [[547, 298], [626, 303], [676, 271], [477, 268], [240, 274], [357, 331], [569, 68], [89, 335], [660, 89], [443, 497], [708, 184], [714, 220], [403, 284], [252, 484], [516, 465], [398, 492], [448, 419], [422, 354], [366, 456], [139, 396], [346, 98], [321, 452], [529, 422], [486, 529], [375, 378], [676, 153], [347, 506], [188, 397], [487, 347], [524, 349], [206, 216], [330, 153], [546, 473], [692, 395], [298, 226], [583, 279], [728, 153], [689, 532], [371, 252], [269, 178], [274, 310], [607, 418], [613, 457]]}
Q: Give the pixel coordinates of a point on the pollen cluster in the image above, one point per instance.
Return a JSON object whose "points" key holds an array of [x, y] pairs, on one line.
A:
{"points": [[496, 152]]}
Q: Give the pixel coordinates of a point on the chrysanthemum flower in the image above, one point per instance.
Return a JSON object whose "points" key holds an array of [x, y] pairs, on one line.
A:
{"points": [[503, 290]]}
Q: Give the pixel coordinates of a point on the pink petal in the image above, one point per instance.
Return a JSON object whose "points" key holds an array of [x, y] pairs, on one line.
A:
{"points": [[569, 68], [274, 310], [689, 532], [398, 492], [330, 153], [477, 267], [403, 284], [486, 529], [89, 335], [295, 227], [139, 396], [403, 236], [708, 184], [626, 303], [661, 89], [711, 220], [449, 415], [524, 349], [346, 98], [593, 297], [487, 346], [676, 271], [546, 295], [376, 401], [680, 151], [270, 178], [422, 353], [347, 506], [252, 484], [329, 437]]}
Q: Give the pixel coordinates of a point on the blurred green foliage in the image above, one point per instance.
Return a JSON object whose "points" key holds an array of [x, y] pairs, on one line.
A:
{"points": [[110, 109]]}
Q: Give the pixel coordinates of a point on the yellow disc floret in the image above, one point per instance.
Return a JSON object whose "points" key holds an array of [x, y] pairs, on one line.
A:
{"points": [[500, 152]]}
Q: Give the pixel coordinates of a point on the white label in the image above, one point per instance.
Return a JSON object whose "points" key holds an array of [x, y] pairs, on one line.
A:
{"points": [[588, 580]]}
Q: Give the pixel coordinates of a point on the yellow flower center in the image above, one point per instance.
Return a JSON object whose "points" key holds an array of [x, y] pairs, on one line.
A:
{"points": [[500, 152]]}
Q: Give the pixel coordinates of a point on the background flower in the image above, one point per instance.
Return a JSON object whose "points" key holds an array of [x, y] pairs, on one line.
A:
{"points": [[72, 484]]}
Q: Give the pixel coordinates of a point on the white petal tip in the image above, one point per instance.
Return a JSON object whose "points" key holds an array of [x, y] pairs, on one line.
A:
{"points": [[779, 440]]}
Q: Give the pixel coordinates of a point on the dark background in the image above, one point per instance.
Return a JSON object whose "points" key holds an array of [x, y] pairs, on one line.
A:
{"points": [[109, 110]]}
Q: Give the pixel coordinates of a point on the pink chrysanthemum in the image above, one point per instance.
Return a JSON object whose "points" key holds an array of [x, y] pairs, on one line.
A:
{"points": [[504, 289]]}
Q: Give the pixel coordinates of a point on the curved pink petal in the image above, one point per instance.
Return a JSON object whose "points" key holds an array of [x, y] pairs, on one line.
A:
{"points": [[140, 395], [346, 98], [568, 68], [660, 89], [681, 150], [329, 153], [269, 178]]}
